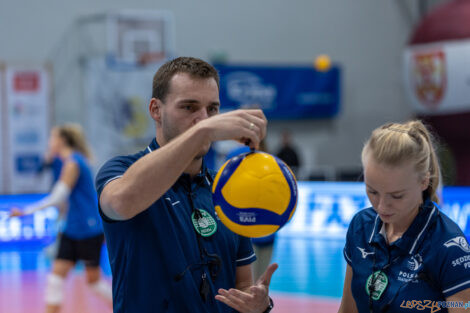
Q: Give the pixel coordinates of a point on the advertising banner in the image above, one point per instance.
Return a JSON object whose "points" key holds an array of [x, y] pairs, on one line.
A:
{"points": [[437, 77], [28, 112], [290, 92], [324, 210], [116, 104], [2, 131]]}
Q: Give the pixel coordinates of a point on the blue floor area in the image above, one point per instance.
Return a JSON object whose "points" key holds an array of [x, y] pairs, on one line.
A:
{"points": [[313, 267], [36, 257], [309, 267]]}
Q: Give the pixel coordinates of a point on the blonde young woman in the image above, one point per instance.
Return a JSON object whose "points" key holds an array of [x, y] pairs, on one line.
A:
{"points": [[403, 254], [82, 236]]}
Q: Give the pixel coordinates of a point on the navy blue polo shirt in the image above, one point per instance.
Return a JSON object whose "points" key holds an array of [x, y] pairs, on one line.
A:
{"points": [[154, 256], [430, 262]]}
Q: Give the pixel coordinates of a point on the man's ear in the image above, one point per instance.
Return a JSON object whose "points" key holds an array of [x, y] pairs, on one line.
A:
{"points": [[155, 109]]}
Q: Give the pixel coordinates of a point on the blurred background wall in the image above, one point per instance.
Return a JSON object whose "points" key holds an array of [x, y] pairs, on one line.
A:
{"points": [[365, 38]]}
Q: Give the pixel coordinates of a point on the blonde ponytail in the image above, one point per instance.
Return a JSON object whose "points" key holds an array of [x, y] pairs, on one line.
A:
{"points": [[395, 143], [74, 138]]}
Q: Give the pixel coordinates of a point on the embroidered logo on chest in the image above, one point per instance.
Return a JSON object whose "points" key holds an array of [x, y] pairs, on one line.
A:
{"points": [[364, 252], [415, 262], [460, 242]]}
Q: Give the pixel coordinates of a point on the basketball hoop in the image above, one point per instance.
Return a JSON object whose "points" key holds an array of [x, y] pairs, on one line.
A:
{"points": [[139, 38], [150, 57]]}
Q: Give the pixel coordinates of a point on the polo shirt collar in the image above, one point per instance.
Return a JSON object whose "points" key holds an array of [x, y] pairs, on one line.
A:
{"points": [[153, 146], [203, 177], [415, 234]]}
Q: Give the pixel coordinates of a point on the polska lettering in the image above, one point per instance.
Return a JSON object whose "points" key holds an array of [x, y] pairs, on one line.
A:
{"points": [[406, 277]]}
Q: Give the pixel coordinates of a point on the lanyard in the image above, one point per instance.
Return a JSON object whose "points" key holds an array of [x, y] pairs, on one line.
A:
{"points": [[212, 261], [377, 275]]}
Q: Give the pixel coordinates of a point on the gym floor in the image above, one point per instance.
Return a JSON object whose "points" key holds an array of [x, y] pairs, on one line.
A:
{"points": [[309, 278]]}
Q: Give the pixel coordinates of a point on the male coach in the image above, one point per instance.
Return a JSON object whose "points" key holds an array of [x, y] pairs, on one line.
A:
{"points": [[168, 250]]}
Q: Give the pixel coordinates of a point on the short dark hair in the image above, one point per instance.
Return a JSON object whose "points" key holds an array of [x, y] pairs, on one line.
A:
{"points": [[193, 66]]}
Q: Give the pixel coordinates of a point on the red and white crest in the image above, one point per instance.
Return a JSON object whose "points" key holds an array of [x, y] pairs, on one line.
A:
{"points": [[429, 77]]}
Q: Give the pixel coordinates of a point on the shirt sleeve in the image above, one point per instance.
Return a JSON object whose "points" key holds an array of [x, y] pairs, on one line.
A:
{"points": [[111, 170], [245, 254], [347, 246], [454, 269]]}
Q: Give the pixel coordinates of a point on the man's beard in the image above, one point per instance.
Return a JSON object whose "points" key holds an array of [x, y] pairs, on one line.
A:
{"points": [[169, 133]]}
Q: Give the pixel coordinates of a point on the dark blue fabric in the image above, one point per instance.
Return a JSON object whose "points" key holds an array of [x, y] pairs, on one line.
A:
{"points": [[210, 159], [83, 220], [422, 265], [149, 250], [56, 167]]}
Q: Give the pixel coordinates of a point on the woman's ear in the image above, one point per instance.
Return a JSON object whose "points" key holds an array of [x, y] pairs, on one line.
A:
{"points": [[155, 109], [425, 182]]}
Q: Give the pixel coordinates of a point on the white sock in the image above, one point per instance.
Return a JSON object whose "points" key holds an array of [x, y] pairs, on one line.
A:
{"points": [[102, 289], [54, 292]]}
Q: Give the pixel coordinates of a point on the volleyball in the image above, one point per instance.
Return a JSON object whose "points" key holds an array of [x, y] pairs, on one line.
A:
{"points": [[254, 194]]}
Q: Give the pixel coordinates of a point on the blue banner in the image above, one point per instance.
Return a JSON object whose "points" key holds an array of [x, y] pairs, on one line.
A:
{"points": [[324, 210], [282, 92], [40, 227]]}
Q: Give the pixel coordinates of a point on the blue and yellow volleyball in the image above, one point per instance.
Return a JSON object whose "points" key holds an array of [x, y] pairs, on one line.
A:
{"points": [[254, 194]]}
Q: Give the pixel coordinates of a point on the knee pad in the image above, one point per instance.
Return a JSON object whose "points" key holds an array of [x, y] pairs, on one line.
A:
{"points": [[102, 289], [54, 289]]}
